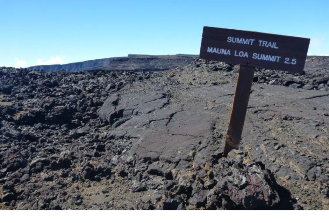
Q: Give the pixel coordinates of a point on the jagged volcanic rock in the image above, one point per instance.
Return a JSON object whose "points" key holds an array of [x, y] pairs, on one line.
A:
{"points": [[126, 140]]}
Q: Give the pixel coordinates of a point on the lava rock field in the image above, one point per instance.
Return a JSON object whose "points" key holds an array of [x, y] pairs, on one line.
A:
{"points": [[153, 140]]}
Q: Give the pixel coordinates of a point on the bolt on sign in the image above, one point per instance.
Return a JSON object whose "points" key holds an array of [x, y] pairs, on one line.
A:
{"points": [[249, 50]]}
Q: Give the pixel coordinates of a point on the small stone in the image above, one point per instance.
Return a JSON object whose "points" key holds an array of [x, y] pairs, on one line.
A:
{"points": [[278, 146], [64, 162], [311, 174], [109, 87], [271, 82], [88, 172], [138, 187], [8, 186], [172, 204], [199, 198], [8, 197], [325, 192], [47, 177], [25, 178], [295, 85], [308, 87], [100, 147], [105, 191], [41, 204], [54, 205], [64, 173], [96, 153], [139, 176], [78, 202], [123, 173], [323, 139], [208, 184], [168, 175]]}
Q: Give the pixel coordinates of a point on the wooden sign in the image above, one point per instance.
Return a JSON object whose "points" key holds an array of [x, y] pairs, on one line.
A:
{"points": [[250, 50], [255, 49]]}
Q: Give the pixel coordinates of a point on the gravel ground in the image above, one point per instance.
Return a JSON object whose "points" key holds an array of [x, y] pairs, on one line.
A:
{"points": [[152, 140]]}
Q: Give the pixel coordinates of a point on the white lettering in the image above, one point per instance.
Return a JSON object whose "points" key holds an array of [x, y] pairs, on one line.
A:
{"points": [[218, 51], [263, 43], [241, 54], [244, 41], [293, 61], [266, 57]]}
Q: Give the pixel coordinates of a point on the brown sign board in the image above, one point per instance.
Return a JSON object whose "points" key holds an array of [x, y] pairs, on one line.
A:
{"points": [[254, 49]]}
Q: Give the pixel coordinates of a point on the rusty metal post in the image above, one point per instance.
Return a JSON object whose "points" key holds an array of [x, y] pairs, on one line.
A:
{"points": [[239, 108]]}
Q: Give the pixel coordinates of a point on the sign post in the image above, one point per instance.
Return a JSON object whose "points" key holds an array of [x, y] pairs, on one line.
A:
{"points": [[239, 108], [250, 50]]}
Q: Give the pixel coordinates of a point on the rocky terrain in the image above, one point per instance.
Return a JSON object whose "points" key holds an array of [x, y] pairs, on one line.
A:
{"points": [[133, 62], [144, 140]]}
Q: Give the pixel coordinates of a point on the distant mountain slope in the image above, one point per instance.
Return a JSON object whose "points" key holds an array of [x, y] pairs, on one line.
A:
{"points": [[317, 62], [137, 62], [73, 67], [134, 62]]}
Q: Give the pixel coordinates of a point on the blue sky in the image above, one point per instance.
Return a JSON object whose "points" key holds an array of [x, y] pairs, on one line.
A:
{"points": [[48, 32]]}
